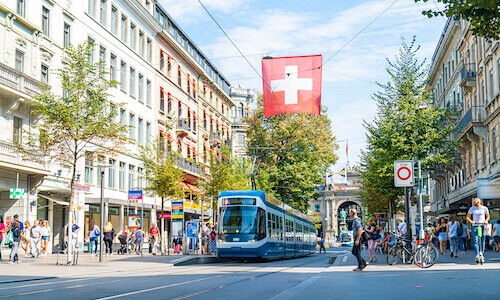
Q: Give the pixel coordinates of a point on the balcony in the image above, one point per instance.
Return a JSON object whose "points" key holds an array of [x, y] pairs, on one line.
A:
{"points": [[471, 122], [190, 166], [468, 76], [19, 81], [10, 157], [183, 127]]}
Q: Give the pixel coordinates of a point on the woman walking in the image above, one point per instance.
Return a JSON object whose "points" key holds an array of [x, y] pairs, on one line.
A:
{"points": [[452, 236], [213, 241], [441, 232], [372, 232], [109, 235], [25, 237], [93, 237], [45, 231], [2, 231]]}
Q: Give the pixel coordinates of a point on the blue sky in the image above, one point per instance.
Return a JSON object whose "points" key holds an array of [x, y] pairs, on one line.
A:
{"points": [[298, 27]]}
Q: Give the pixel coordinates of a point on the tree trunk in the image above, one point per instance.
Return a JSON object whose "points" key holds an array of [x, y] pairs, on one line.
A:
{"points": [[162, 226], [69, 260]]}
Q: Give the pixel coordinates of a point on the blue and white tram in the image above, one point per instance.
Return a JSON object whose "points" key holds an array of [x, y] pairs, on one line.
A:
{"points": [[253, 224]]}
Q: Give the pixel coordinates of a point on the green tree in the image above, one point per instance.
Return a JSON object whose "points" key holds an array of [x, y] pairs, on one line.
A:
{"points": [[226, 173], [483, 15], [82, 116], [162, 175], [407, 126], [295, 150]]}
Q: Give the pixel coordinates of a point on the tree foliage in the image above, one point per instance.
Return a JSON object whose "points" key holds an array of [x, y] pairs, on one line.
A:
{"points": [[226, 173], [483, 15], [80, 117], [295, 151], [407, 126]]}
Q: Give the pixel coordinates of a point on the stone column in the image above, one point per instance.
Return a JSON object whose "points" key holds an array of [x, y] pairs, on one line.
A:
{"points": [[122, 213], [106, 213]]}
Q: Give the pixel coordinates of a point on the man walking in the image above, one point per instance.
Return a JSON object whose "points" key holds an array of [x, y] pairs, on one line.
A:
{"points": [[357, 229], [478, 216], [35, 240], [16, 240]]}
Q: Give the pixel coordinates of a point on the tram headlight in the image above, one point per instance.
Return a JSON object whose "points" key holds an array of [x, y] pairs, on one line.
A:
{"points": [[251, 241]]}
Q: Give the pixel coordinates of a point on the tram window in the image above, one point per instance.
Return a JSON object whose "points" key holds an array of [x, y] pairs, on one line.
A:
{"points": [[274, 226], [269, 225], [281, 228], [261, 224]]}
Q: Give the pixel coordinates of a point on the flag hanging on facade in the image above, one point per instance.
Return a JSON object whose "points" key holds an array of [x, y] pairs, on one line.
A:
{"points": [[292, 85]]}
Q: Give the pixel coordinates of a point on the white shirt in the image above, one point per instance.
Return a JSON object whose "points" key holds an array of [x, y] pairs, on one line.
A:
{"points": [[45, 231], [452, 228], [402, 227], [478, 214], [497, 229]]}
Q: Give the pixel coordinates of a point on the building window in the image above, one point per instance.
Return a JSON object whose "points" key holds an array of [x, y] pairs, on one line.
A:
{"points": [[124, 29], [91, 8], [102, 12], [148, 133], [17, 133], [122, 117], [492, 86], [111, 173], [90, 41], [123, 76], [148, 93], [140, 92], [67, 35], [139, 131], [169, 104], [132, 82], [162, 100], [132, 36], [140, 177], [89, 168], [162, 61], [131, 177], [20, 9], [169, 67], [114, 19], [148, 50], [179, 76], [112, 68], [19, 60], [45, 20], [44, 74], [141, 43], [102, 58], [121, 177], [494, 145], [131, 124]]}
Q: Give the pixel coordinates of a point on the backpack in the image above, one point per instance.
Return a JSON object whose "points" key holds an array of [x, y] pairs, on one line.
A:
{"points": [[97, 232], [212, 236], [9, 239], [460, 230]]}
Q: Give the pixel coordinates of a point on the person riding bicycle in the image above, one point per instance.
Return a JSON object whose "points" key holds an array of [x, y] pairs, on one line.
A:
{"points": [[478, 216]]}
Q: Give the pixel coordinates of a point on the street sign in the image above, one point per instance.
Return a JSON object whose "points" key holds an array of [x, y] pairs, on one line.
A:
{"points": [[164, 216], [191, 229], [134, 196], [177, 210], [16, 193], [403, 173]]}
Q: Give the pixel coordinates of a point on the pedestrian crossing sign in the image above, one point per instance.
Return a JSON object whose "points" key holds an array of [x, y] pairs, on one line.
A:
{"points": [[16, 193]]}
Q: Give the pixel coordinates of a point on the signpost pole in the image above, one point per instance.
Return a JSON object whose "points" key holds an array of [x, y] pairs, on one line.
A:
{"points": [[407, 214], [421, 205], [102, 215], [162, 226], [142, 221]]}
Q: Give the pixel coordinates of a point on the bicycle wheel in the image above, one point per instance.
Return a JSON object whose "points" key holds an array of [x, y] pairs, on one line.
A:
{"points": [[394, 255], [426, 256]]}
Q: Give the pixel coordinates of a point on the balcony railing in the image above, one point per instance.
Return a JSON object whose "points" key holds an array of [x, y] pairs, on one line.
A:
{"points": [[475, 114], [183, 125], [10, 153], [19, 81], [468, 76], [190, 166]]}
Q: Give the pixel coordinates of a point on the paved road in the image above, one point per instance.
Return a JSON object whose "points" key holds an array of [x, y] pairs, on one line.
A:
{"points": [[302, 278]]}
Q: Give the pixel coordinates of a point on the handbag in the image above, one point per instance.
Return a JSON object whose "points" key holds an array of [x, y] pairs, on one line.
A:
{"points": [[9, 239]]}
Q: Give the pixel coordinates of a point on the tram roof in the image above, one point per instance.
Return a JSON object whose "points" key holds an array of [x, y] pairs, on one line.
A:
{"points": [[269, 199]]}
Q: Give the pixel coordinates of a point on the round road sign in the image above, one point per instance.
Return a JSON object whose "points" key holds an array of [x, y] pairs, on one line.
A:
{"points": [[404, 173]]}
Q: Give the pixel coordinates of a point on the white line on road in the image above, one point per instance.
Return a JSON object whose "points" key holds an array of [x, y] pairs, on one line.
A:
{"points": [[156, 288], [290, 293]]}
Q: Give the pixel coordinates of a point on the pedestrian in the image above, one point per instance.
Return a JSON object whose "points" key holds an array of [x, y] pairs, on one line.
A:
{"points": [[153, 239], [402, 228], [463, 233], [25, 238], [206, 237], [108, 236], [123, 237], [496, 235], [45, 231], [321, 244], [139, 240], [478, 215], [452, 235], [15, 228], [16, 219], [94, 234], [2, 232], [357, 230], [74, 235], [212, 247], [441, 232], [372, 241], [35, 241]]}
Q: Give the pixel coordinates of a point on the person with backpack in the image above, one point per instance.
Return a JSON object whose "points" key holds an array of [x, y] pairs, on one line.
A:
{"points": [[374, 235], [452, 235], [357, 230], [94, 234], [463, 236], [14, 241], [139, 240]]}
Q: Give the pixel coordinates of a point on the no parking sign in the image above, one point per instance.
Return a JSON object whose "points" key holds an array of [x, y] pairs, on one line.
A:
{"points": [[403, 173]]}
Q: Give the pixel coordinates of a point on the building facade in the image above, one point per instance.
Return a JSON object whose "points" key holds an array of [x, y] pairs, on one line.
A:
{"points": [[242, 98], [168, 91], [465, 76]]}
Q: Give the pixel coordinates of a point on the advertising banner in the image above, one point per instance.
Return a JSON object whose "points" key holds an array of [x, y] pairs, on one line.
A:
{"points": [[134, 221]]}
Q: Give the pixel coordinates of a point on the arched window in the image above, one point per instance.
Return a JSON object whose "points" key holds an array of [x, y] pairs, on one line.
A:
{"points": [[240, 110]]}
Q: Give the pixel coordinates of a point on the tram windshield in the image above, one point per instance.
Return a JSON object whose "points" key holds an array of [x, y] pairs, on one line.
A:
{"points": [[243, 220]]}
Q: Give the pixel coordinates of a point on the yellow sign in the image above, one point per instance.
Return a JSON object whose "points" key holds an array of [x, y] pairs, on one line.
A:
{"points": [[273, 200]]}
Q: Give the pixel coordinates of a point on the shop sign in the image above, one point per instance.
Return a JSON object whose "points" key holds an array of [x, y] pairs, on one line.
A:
{"points": [[191, 229], [177, 210], [165, 216], [488, 189], [16, 193], [94, 209], [81, 187]]}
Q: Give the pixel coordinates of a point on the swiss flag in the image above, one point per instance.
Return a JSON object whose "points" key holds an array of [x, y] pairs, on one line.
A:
{"points": [[292, 85]]}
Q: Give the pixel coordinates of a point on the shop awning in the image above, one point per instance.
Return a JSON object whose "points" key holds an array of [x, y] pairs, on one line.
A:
{"points": [[55, 200], [193, 188]]}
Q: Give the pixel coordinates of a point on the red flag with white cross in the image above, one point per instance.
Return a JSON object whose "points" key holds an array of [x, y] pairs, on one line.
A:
{"points": [[292, 85]]}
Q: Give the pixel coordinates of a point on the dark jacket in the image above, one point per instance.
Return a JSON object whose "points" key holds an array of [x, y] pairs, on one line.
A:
{"points": [[16, 234], [109, 235]]}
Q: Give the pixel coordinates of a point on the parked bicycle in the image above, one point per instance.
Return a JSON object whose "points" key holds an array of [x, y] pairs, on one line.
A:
{"points": [[424, 256]]}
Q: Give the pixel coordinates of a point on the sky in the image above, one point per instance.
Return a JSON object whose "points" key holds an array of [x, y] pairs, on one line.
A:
{"points": [[297, 27]]}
